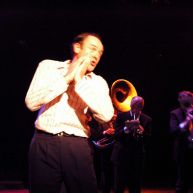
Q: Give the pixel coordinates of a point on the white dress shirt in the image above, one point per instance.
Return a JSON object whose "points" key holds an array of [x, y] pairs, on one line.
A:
{"points": [[63, 107]]}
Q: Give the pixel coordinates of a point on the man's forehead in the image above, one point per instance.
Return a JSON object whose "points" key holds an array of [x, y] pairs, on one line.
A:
{"points": [[93, 40], [137, 105]]}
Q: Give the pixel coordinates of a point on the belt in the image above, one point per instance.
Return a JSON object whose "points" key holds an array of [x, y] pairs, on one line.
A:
{"points": [[60, 134]]}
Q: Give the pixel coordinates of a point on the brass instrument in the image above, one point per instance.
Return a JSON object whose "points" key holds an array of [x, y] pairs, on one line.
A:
{"points": [[122, 91], [133, 126], [106, 141]]}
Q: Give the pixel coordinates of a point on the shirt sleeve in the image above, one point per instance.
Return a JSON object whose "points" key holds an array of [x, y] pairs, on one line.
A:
{"points": [[95, 93], [47, 84]]}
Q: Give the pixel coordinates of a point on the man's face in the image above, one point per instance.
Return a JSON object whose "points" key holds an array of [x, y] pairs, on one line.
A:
{"points": [[93, 48], [185, 100], [136, 108]]}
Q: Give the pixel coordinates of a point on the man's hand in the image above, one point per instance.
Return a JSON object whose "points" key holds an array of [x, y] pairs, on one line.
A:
{"points": [[77, 69], [82, 69], [132, 126], [140, 130], [109, 131], [132, 123]]}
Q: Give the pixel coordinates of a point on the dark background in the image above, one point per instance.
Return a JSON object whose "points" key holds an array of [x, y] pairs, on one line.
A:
{"points": [[149, 43]]}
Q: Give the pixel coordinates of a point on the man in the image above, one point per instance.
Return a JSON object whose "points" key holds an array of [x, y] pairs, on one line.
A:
{"points": [[102, 136], [133, 129], [181, 129], [64, 92]]}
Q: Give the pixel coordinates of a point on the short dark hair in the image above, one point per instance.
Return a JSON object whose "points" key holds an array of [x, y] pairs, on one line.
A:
{"points": [[79, 38], [82, 36]]}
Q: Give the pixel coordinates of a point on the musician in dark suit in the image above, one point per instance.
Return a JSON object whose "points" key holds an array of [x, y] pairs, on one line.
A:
{"points": [[133, 129], [103, 140], [181, 128]]}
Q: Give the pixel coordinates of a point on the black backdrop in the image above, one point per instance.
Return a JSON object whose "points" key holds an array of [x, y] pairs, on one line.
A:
{"points": [[151, 45]]}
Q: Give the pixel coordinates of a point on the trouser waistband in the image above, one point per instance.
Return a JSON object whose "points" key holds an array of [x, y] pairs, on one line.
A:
{"points": [[60, 134]]}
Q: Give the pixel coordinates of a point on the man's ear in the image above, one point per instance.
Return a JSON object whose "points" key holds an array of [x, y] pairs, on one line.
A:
{"points": [[76, 48]]}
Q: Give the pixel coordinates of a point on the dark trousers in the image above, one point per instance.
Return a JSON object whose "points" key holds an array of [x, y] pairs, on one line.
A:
{"points": [[106, 170], [128, 174], [184, 166], [61, 160]]}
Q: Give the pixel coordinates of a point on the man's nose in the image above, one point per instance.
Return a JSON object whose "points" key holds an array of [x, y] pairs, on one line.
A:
{"points": [[95, 56]]}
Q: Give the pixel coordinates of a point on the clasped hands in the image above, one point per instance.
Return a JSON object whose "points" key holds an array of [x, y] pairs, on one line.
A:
{"points": [[77, 69]]}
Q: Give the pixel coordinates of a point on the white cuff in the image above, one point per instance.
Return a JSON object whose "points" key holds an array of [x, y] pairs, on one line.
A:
{"points": [[126, 130]]}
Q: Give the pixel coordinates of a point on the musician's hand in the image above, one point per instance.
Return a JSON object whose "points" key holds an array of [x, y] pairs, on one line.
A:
{"points": [[82, 69], [140, 130], [109, 131], [127, 130], [189, 123], [74, 67], [132, 123], [191, 127], [186, 124]]}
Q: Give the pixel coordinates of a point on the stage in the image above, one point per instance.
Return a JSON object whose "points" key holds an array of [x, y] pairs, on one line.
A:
{"points": [[158, 190], [19, 187]]}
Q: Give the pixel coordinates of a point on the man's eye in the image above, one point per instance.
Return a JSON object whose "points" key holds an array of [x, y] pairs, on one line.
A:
{"points": [[93, 49]]}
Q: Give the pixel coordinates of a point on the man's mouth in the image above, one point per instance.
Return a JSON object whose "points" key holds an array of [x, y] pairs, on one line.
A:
{"points": [[93, 62]]}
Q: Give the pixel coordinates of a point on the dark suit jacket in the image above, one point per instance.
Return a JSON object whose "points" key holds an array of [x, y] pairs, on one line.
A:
{"points": [[126, 145], [179, 135]]}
